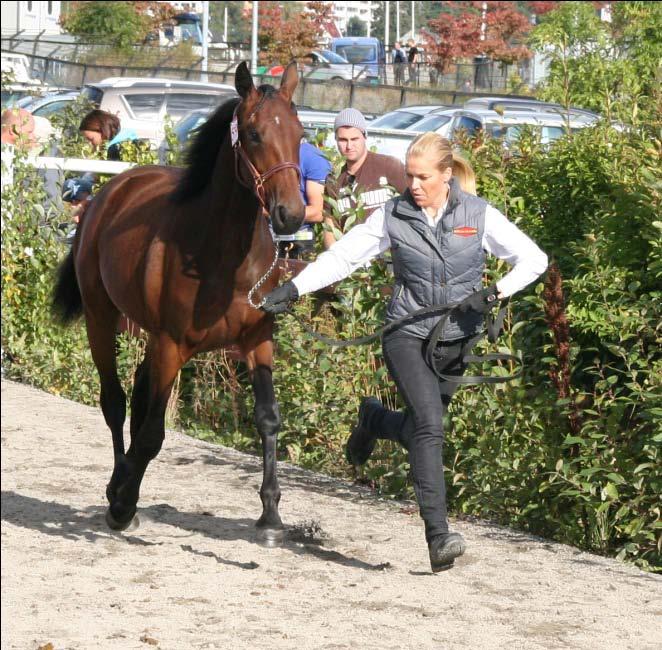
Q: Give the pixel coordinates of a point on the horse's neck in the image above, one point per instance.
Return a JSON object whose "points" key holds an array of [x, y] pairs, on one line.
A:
{"points": [[235, 212]]}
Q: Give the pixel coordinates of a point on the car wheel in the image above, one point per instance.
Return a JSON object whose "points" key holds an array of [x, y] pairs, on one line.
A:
{"points": [[337, 79]]}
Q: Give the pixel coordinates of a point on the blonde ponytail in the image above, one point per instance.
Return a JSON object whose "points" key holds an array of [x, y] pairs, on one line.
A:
{"points": [[464, 173], [440, 150]]}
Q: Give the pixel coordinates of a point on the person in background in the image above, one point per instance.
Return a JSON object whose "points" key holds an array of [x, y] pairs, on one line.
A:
{"points": [[21, 128], [102, 128], [314, 170], [399, 61], [366, 176], [77, 192], [438, 232], [413, 58]]}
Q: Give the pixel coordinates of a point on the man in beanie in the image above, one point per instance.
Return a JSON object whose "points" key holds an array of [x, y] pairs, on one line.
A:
{"points": [[365, 177]]}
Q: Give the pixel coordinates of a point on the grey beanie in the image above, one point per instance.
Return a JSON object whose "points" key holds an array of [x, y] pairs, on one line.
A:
{"points": [[350, 117]]}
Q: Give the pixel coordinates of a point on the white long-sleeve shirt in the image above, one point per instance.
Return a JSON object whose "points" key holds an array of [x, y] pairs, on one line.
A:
{"points": [[366, 241]]}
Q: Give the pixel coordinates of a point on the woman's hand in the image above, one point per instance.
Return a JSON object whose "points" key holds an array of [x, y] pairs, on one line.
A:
{"points": [[481, 301], [278, 300]]}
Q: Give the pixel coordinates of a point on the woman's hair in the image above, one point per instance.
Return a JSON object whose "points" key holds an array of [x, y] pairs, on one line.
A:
{"points": [[439, 149], [102, 122]]}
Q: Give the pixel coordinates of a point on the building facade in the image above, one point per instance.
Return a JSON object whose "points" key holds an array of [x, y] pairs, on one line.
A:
{"points": [[345, 10], [31, 17]]}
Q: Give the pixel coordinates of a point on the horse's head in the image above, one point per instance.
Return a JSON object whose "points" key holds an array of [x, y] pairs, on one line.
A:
{"points": [[269, 134]]}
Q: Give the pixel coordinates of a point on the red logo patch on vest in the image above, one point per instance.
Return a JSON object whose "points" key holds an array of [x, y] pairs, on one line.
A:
{"points": [[465, 231]]}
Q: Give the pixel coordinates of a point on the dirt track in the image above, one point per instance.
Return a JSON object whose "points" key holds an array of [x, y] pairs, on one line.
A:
{"points": [[193, 575]]}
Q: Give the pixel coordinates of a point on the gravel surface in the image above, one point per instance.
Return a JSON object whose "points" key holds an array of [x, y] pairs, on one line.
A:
{"points": [[352, 573]]}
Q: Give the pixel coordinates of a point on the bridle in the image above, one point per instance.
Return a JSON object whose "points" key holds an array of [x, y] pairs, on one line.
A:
{"points": [[258, 179]]}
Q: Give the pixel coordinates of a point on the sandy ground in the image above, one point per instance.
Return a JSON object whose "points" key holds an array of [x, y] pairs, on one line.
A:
{"points": [[353, 572]]}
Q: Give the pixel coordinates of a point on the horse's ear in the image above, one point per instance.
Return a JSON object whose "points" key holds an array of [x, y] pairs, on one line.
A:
{"points": [[289, 81], [243, 81]]}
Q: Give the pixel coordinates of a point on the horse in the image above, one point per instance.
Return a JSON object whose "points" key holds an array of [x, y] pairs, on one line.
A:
{"points": [[179, 252]]}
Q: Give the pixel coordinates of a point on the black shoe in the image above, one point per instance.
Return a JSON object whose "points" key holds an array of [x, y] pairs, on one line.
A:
{"points": [[362, 441], [444, 549]]}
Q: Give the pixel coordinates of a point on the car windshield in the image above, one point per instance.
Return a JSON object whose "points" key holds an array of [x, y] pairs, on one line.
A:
{"points": [[431, 123], [332, 57], [512, 132], [395, 120], [93, 94], [358, 53]]}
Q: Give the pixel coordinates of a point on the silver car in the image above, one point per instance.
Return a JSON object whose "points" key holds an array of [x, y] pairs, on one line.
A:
{"points": [[329, 66]]}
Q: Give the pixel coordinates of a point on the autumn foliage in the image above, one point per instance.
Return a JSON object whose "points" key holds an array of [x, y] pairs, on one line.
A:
{"points": [[464, 31], [286, 33]]}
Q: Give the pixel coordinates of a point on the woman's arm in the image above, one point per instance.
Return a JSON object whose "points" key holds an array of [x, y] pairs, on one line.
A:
{"points": [[505, 240], [358, 247]]}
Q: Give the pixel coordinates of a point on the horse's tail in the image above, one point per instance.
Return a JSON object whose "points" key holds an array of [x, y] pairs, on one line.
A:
{"points": [[67, 302]]}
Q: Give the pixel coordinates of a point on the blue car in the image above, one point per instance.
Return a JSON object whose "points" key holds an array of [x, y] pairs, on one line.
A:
{"points": [[362, 50]]}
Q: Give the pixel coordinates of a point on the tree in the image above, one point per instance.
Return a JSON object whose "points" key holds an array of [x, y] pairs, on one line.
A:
{"points": [[599, 65], [356, 27], [461, 30], [450, 37], [287, 33], [122, 23], [239, 29]]}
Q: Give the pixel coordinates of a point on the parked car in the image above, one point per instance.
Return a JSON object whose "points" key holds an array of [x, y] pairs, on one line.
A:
{"points": [[403, 117], [142, 104], [362, 50], [21, 94], [329, 66], [312, 121], [506, 125], [18, 66], [52, 103], [497, 103]]}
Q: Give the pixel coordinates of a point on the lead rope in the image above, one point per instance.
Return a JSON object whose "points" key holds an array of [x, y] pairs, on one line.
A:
{"points": [[262, 280]]}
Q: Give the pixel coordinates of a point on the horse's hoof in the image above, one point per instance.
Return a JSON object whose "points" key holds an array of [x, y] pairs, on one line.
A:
{"points": [[130, 524], [271, 536]]}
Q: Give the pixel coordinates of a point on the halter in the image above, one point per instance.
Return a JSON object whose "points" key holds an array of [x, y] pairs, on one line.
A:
{"points": [[257, 179]]}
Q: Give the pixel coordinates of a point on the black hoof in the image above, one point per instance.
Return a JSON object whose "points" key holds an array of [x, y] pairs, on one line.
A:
{"points": [[129, 524]]}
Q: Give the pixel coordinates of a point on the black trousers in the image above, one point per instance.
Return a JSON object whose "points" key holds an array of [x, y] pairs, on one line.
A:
{"points": [[419, 428]]}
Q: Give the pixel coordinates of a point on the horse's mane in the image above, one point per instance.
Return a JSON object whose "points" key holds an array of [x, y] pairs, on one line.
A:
{"points": [[203, 151]]}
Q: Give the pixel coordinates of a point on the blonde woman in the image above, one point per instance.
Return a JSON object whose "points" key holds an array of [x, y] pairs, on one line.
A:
{"points": [[438, 232]]}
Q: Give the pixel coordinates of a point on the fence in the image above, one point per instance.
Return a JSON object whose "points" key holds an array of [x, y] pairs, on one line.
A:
{"points": [[480, 75]]}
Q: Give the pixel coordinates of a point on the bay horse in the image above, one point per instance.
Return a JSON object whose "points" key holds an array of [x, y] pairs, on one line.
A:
{"points": [[178, 252]]}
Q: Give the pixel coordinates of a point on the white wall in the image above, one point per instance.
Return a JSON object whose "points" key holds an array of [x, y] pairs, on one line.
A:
{"points": [[31, 17]]}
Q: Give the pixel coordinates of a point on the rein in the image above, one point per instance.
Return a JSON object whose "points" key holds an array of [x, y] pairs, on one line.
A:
{"points": [[492, 331]]}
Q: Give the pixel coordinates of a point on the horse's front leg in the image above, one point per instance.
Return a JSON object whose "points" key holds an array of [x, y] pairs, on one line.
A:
{"points": [[267, 420]]}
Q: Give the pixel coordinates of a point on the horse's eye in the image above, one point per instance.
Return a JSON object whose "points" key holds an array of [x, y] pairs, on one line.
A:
{"points": [[254, 135]]}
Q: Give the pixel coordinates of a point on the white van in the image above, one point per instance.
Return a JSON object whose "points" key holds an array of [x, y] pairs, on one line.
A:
{"points": [[18, 66]]}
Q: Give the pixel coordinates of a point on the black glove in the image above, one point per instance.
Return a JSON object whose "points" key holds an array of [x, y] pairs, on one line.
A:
{"points": [[278, 300], [481, 301]]}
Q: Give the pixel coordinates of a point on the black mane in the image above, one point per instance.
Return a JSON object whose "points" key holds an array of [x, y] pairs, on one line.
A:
{"points": [[203, 151]]}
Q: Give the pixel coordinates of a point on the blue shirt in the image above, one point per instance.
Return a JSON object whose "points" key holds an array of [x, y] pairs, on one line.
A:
{"points": [[122, 136], [314, 167]]}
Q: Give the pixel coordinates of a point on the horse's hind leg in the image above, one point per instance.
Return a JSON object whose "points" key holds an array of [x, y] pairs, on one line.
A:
{"points": [[140, 395], [162, 363], [267, 420], [101, 325]]}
